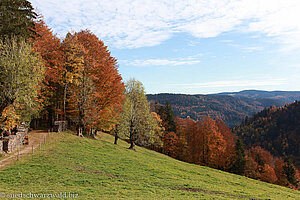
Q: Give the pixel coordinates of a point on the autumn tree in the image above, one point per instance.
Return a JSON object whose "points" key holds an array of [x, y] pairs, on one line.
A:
{"points": [[185, 130], [213, 143], [16, 19], [49, 47], [251, 167], [261, 166], [159, 131], [135, 122], [170, 142], [93, 88], [279, 171], [229, 154], [106, 96], [21, 74], [73, 79]]}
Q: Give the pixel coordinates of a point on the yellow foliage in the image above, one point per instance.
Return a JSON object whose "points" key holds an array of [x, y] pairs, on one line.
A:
{"points": [[9, 118]]}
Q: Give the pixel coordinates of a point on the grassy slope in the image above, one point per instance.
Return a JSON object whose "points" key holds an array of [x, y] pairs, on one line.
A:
{"points": [[97, 169]]}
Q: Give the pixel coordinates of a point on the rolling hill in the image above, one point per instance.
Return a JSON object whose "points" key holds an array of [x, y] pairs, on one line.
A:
{"points": [[98, 169], [231, 110]]}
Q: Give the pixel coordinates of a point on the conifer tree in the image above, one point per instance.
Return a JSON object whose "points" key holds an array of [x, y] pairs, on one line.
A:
{"points": [[16, 19], [239, 162], [290, 172]]}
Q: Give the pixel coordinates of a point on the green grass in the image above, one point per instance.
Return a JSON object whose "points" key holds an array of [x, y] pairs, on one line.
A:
{"points": [[98, 169]]}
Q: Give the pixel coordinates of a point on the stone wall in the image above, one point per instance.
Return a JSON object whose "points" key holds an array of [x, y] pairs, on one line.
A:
{"points": [[10, 143], [60, 126]]}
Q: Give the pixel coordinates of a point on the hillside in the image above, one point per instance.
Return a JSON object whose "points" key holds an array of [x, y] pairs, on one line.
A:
{"points": [[275, 129], [97, 169], [231, 110]]}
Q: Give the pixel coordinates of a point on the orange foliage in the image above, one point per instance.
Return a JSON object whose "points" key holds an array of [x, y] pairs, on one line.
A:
{"points": [[229, 139], [49, 47], [251, 168], [9, 118], [213, 143], [98, 97], [268, 174]]}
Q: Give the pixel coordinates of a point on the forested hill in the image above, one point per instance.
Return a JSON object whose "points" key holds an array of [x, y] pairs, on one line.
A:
{"points": [[275, 129], [282, 96], [231, 110]]}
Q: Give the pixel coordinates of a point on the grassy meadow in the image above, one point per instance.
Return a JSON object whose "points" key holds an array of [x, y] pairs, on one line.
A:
{"points": [[98, 169]]}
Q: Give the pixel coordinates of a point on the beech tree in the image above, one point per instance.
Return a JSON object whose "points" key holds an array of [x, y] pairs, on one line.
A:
{"points": [[21, 74], [50, 49], [136, 119], [214, 145], [185, 128], [280, 173], [106, 97], [93, 88], [170, 144]]}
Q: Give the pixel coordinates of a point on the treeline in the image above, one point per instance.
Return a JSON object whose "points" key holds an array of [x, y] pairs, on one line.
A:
{"points": [[211, 143]]}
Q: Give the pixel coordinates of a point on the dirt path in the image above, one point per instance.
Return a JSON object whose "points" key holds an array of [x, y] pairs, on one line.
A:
{"points": [[35, 138]]}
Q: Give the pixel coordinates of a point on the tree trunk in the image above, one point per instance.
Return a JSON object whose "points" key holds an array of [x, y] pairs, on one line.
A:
{"points": [[79, 132], [116, 139], [92, 133], [132, 145], [65, 97]]}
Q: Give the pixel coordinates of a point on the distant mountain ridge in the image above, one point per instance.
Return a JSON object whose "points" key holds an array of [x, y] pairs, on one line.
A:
{"points": [[282, 96], [230, 107]]}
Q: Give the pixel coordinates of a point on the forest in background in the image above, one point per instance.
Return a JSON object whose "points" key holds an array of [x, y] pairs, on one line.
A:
{"points": [[276, 129], [232, 108]]}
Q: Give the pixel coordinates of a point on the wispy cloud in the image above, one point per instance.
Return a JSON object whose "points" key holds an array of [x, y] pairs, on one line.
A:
{"points": [[234, 83], [135, 23], [163, 62], [247, 48]]}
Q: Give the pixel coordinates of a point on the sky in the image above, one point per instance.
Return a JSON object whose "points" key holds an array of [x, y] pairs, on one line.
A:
{"points": [[191, 46]]}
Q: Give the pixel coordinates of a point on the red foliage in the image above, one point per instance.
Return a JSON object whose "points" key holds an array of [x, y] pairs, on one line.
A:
{"points": [[97, 96], [49, 47], [170, 144], [281, 178]]}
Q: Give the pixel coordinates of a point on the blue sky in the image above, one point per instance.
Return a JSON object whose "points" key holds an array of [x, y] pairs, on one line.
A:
{"points": [[191, 46]]}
